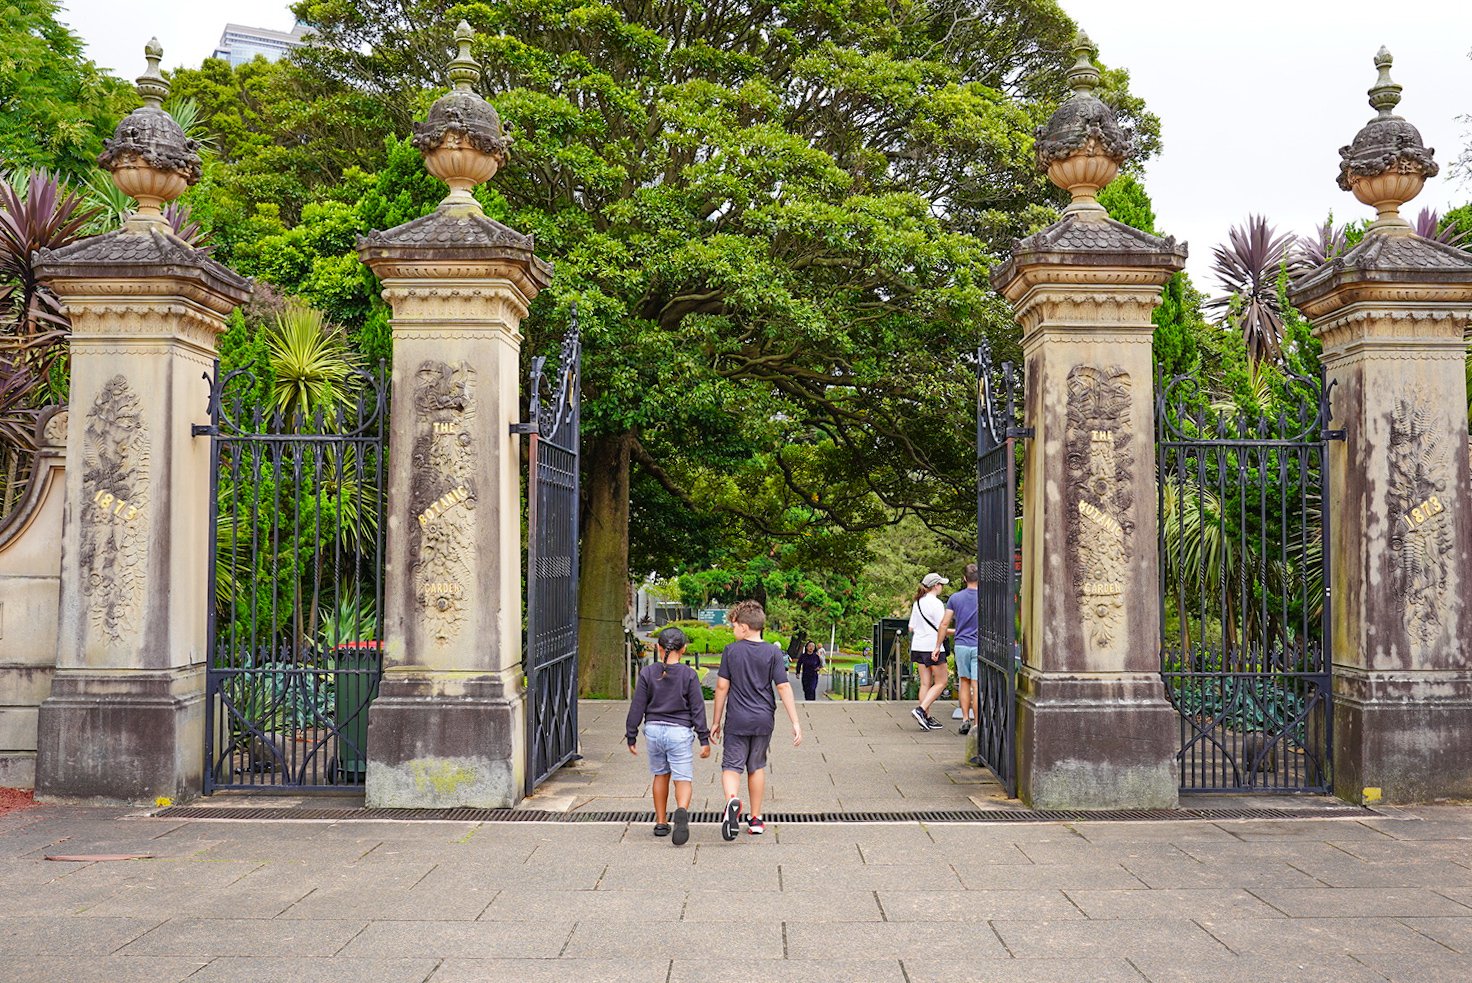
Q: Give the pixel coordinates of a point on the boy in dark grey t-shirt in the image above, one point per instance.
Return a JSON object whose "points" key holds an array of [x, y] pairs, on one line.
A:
{"points": [[750, 669]]}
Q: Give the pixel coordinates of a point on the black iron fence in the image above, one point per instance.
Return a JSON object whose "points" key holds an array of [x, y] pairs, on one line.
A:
{"points": [[295, 582], [999, 435], [552, 566], [1245, 590]]}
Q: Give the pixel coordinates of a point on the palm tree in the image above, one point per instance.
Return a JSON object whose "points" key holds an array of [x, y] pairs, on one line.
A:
{"points": [[1248, 266]]}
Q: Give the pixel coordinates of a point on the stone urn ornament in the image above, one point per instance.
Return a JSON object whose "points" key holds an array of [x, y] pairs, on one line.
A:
{"points": [[1387, 163], [461, 138], [150, 158], [1082, 146]]}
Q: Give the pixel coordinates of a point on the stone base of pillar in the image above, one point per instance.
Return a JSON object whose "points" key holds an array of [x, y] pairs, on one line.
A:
{"points": [[1408, 734], [438, 743], [130, 736], [1096, 742]]}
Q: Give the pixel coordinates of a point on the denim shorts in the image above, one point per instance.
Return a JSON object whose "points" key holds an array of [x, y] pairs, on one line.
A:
{"points": [[966, 661], [671, 750]]}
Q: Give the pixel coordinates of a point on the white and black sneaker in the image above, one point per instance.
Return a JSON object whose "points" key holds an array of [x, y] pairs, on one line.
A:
{"points": [[921, 717], [932, 724], [731, 820], [965, 728]]}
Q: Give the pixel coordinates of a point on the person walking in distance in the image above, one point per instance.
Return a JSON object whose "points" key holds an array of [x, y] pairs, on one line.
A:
{"points": [[753, 675], [927, 647], [808, 665], [961, 614], [668, 702]]}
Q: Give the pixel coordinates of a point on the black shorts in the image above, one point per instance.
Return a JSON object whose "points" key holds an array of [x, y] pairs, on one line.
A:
{"points": [[745, 752], [929, 658]]}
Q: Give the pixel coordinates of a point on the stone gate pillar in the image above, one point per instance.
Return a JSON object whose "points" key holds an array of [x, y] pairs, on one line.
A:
{"points": [[448, 728], [125, 717], [1392, 314], [1094, 727]]}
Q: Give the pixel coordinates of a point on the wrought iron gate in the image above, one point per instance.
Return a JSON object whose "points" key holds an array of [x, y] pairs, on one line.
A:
{"points": [[1244, 586], [998, 431], [551, 657], [295, 583]]}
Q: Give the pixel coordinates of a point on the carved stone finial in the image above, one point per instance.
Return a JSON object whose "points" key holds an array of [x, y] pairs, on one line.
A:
{"points": [[1384, 94], [1083, 77], [150, 158], [1082, 146], [461, 138], [464, 70], [152, 86], [1387, 163]]}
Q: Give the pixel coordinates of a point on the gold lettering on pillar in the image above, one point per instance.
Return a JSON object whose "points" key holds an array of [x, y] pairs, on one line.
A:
{"points": [[1099, 481], [443, 498]]}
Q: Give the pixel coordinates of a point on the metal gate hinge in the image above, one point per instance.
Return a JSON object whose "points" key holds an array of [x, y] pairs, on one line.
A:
{"points": [[1025, 432], [1335, 434], [204, 430], [525, 428]]}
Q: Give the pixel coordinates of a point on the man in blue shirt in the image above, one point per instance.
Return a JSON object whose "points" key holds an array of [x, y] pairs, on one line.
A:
{"points": [[961, 612]]}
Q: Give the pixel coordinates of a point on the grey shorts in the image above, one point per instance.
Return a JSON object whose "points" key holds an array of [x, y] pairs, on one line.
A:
{"points": [[745, 752]]}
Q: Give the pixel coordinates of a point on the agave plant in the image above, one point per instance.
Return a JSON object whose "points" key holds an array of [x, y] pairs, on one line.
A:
{"points": [[1428, 223], [315, 371], [1247, 266]]}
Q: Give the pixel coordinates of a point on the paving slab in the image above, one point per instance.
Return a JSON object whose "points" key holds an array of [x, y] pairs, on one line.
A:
{"points": [[102, 969], [316, 970], [62, 935], [243, 937], [943, 969], [879, 969]]}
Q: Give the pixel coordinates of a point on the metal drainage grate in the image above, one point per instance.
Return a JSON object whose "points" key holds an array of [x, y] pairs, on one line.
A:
{"points": [[972, 816]]}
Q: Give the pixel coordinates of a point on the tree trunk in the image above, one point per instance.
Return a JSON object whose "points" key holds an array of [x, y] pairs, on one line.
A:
{"points": [[603, 590]]}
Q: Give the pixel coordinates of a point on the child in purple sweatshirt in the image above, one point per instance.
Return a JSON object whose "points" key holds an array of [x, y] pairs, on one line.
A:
{"points": [[668, 702]]}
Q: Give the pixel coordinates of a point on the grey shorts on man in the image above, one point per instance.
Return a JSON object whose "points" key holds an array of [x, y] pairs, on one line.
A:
{"points": [[745, 752]]}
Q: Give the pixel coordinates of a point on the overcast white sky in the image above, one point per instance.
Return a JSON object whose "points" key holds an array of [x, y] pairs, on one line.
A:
{"points": [[1255, 97]]}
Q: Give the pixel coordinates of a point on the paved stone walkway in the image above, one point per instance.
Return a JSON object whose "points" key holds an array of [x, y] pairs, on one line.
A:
{"points": [[855, 757], [1383, 899]]}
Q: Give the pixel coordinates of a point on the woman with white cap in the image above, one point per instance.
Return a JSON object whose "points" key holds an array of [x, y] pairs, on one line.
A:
{"points": [[927, 649]]}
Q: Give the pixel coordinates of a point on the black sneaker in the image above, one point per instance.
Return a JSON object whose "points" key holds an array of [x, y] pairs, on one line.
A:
{"points": [[756, 826], [920, 718], [682, 827], [965, 728], [731, 820], [931, 723]]}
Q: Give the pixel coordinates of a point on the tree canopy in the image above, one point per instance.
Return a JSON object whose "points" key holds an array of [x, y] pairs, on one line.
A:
{"points": [[55, 105]]}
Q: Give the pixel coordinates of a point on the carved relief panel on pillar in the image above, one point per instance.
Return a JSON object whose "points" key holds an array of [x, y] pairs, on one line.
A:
{"points": [[1422, 534], [114, 514], [1099, 495], [443, 498]]}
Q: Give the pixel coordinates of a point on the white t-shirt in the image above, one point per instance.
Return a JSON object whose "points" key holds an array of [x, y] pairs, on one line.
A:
{"points": [[922, 635]]}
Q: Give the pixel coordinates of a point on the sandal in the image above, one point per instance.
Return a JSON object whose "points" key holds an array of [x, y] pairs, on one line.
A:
{"points": [[682, 827], [661, 829]]}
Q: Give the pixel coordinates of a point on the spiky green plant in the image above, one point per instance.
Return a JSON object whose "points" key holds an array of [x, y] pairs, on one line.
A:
{"points": [[315, 371]]}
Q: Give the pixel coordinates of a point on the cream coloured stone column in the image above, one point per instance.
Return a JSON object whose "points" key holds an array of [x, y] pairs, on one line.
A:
{"points": [[124, 719], [1393, 314], [448, 727], [1094, 727]]}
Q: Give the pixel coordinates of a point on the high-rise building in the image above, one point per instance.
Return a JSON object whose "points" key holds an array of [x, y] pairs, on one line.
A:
{"points": [[239, 44]]}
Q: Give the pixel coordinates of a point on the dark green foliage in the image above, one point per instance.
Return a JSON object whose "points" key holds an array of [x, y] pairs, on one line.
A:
{"points": [[55, 105]]}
